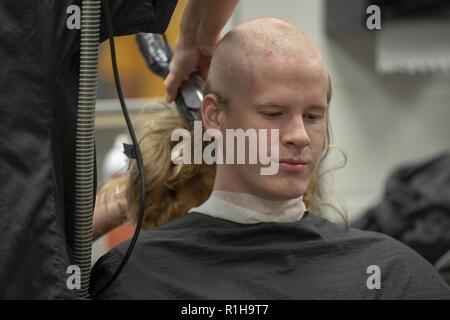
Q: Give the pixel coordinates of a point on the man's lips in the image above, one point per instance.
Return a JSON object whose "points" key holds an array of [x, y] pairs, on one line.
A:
{"points": [[292, 165], [293, 161]]}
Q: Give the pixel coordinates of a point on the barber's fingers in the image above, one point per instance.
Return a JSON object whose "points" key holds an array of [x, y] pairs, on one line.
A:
{"points": [[197, 62], [184, 61]]}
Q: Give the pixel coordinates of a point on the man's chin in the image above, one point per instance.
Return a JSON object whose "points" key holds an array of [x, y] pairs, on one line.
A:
{"points": [[290, 195], [282, 194]]}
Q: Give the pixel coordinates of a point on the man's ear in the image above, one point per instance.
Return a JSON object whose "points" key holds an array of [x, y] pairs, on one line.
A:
{"points": [[211, 111]]}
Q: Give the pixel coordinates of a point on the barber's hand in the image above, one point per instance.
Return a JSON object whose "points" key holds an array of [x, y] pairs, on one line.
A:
{"points": [[110, 210], [187, 58]]}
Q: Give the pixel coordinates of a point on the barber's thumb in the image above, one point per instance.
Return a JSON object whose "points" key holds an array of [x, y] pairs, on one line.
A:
{"points": [[172, 84], [168, 85]]}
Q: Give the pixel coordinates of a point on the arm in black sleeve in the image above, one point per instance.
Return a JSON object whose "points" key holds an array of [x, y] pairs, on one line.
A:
{"points": [[133, 16]]}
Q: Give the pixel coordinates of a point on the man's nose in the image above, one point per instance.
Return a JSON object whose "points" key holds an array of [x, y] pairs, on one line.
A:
{"points": [[295, 133]]}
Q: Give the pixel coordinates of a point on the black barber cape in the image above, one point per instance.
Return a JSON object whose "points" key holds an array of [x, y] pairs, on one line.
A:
{"points": [[201, 257], [39, 63]]}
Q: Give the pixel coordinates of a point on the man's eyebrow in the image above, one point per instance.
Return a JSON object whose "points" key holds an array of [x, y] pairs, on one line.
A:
{"points": [[271, 105], [318, 106], [284, 106]]}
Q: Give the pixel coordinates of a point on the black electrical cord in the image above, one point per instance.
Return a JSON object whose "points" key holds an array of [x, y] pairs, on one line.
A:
{"points": [[137, 150]]}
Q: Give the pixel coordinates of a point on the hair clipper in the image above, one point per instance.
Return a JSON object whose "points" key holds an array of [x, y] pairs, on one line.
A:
{"points": [[158, 54]]}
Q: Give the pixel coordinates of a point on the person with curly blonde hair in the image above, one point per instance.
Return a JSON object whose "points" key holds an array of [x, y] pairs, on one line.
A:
{"points": [[225, 231]]}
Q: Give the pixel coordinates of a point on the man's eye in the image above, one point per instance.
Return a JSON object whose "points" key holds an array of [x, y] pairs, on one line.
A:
{"points": [[272, 114], [313, 117]]}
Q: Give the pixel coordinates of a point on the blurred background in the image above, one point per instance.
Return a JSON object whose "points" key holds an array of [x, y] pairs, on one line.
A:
{"points": [[391, 91]]}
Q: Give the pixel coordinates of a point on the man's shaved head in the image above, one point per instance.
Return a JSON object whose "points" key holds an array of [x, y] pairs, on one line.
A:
{"points": [[260, 41]]}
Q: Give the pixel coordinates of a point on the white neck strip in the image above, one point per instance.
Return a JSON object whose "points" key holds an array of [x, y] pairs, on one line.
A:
{"points": [[248, 209]]}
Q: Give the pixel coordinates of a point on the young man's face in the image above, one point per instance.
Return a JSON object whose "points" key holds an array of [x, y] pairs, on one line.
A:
{"points": [[286, 95]]}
